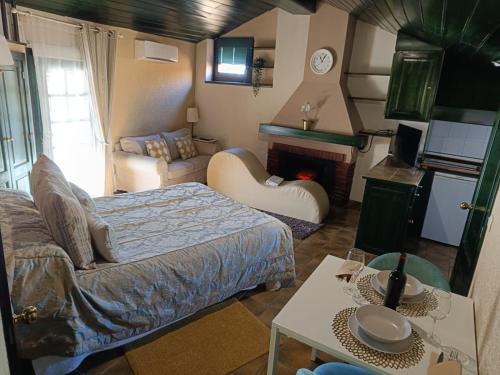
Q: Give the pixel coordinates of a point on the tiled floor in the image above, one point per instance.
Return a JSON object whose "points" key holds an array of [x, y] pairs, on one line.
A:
{"points": [[335, 238]]}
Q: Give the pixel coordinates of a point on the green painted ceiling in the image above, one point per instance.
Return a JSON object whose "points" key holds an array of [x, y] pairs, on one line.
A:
{"points": [[191, 20], [469, 26]]}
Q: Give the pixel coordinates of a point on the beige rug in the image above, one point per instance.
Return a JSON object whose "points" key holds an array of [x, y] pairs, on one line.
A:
{"points": [[216, 344]]}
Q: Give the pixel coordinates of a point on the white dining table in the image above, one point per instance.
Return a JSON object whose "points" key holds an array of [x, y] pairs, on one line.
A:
{"points": [[308, 316]]}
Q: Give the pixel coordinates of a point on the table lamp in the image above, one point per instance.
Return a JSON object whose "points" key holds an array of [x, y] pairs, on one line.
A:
{"points": [[192, 118]]}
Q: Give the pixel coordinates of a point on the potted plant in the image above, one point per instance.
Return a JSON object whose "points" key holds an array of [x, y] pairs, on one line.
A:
{"points": [[258, 68]]}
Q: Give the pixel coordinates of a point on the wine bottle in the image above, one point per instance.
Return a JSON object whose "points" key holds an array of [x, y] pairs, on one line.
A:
{"points": [[396, 284]]}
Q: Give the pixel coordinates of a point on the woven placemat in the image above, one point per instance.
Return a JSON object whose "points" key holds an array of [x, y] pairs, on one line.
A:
{"points": [[369, 355], [420, 309]]}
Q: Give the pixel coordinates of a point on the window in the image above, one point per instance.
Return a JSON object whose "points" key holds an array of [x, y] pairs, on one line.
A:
{"points": [[233, 60], [74, 146]]}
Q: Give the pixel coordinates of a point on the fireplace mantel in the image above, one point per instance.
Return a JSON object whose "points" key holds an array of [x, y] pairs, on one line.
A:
{"points": [[358, 141]]}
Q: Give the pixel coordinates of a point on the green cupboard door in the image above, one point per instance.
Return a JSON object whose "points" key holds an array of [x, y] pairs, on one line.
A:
{"points": [[477, 220], [384, 217], [17, 125], [413, 84]]}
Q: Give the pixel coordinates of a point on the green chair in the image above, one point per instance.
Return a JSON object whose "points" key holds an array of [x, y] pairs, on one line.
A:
{"points": [[422, 269]]}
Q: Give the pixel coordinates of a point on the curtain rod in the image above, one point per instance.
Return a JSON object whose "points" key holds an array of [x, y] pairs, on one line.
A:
{"points": [[76, 25]]}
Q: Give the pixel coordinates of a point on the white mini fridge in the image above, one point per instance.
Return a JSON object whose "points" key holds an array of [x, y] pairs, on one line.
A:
{"points": [[444, 220]]}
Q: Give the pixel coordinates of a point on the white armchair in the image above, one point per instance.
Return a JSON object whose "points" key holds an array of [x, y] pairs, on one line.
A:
{"points": [[135, 172]]}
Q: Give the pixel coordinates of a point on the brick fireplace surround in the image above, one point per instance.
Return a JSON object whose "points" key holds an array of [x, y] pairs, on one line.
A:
{"points": [[344, 172]]}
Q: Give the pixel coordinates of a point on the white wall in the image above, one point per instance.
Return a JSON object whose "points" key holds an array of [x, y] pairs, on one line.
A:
{"points": [[372, 53], [231, 113], [485, 291]]}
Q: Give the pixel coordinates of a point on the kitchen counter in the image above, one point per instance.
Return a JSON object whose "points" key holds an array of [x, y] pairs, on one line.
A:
{"points": [[394, 170]]}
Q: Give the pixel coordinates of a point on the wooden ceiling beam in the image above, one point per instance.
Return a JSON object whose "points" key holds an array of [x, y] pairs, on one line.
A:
{"points": [[294, 6]]}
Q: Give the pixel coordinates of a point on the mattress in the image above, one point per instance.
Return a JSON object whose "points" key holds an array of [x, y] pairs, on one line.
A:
{"points": [[181, 249]]}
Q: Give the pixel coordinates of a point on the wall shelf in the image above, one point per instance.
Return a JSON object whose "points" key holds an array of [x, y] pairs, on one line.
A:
{"points": [[358, 141]]}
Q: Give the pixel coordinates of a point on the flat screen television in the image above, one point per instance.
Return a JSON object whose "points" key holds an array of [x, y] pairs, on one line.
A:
{"points": [[405, 144]]}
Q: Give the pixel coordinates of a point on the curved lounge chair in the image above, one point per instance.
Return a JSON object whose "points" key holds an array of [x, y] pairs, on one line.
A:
{"points": [[237, 173]]}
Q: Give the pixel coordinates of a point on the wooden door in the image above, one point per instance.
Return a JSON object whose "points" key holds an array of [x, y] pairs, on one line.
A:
{"points": [[16, 125], [480, 210], [413, 84]]}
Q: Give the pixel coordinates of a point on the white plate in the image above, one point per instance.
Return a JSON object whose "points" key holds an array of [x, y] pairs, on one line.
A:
{"points": [[383, 324], [396, 348], [379, 290], [413, 287]]}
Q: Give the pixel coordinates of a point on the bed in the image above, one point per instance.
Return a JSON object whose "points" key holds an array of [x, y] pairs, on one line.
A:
{"points": [[181, 249]]}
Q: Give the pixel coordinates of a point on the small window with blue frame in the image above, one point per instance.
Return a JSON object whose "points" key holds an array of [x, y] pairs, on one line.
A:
{"points": [[233, 60]]}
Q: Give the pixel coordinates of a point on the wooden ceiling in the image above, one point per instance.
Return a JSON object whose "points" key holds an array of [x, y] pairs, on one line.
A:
{"points": [[471, 26], [191, 20]]}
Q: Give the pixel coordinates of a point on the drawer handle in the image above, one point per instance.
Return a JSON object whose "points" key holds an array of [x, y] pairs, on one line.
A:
{"points": [[411, 221]]}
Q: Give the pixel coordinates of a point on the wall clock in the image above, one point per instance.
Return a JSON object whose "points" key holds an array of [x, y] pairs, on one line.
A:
{"points": [[322, 61]]}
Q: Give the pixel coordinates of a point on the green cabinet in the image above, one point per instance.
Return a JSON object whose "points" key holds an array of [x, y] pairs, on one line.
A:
{"points": [[413, 84], [385, 216], [16, 130]]}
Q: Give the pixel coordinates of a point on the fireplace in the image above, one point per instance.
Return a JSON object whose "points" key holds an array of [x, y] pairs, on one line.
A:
{"points": [[294, 166], [329, 169]]}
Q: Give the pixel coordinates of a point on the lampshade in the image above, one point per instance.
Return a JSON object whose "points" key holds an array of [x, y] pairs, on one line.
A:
{"points": [[5, 55], [192, 114]]}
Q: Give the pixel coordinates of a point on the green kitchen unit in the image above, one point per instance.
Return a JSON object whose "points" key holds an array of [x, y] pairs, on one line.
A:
{"points": [[391, 210], [415, 73]]}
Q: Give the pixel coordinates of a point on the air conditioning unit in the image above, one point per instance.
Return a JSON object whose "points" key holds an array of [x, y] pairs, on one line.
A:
{"points": [[152, 51]]}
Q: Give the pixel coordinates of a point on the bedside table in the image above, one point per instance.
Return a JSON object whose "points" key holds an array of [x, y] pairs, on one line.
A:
{"points": [[206, 146]]}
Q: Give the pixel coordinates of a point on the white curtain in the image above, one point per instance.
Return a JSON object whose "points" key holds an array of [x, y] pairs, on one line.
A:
{"points": [[99, 48], [75, 117]]}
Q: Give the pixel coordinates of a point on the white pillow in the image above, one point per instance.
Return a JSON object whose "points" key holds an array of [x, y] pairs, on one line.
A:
{"points": [[137, 145], [83, 197], [170, 138]]}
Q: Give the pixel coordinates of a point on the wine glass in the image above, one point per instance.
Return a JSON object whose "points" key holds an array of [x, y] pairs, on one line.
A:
{"points": [[441, 311], [356, 263]]}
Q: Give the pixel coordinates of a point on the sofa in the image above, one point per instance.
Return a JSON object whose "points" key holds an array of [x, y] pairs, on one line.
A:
{"points": [[238, 174], [136, 171]]}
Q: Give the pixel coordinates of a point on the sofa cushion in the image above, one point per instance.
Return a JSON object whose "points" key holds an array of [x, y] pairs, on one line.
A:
{"points": [[83, 197], [137, 145], [179, 168], [159, 149], [62, 212], [186, 147], [170, 138]]}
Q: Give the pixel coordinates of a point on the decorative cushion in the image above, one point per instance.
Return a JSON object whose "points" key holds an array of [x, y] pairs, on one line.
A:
{"points": [[170, 138], [103, 237], [62, 212], [186, 147], [158, 149], [137, 145], [83, 197]]}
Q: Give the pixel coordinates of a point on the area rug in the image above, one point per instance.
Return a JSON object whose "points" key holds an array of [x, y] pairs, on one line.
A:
{"points": [[216, 344], [301, 229]]}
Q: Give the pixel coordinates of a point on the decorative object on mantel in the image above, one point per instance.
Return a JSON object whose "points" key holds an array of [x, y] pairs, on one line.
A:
{"points": [[307, 123], [192, 118], [258, 67], [358, 141]]}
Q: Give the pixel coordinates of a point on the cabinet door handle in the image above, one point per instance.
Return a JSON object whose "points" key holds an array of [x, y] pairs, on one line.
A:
{"points": [[7, 139], [411, 221]]}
